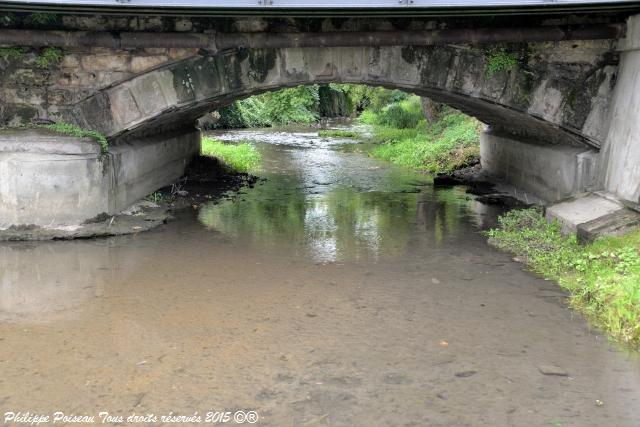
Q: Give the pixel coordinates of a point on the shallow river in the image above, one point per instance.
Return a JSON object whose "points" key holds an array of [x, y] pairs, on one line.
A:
{"points": [[341, 291]]}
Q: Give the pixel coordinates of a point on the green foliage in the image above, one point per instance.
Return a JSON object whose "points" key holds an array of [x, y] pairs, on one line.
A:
{"points": [[358, 97], [7, 19], [405, 114], [306, 104], [11, 53], [73, 130], [249, 112], [406, 139], [338, 133], [603, 278], [294, 105], [368, 117], [378, 98], [156, 197], [240, 158], [499, 60], [49, 56], [42, 19]]}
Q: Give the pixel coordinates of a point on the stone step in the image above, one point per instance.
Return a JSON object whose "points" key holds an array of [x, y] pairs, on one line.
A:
{"points": [[593, 215], [614, 224]]}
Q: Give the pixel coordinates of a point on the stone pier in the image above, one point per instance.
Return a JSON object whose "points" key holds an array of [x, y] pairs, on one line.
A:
{"points": [[50, 180]]}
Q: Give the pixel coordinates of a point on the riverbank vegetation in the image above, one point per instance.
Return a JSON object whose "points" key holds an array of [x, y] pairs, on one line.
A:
{"points": [[238, 157], [406, 138], [407, 130], [602, 278]]}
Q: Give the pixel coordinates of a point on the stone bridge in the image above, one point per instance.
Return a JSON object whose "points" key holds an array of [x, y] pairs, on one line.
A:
{"points": [[563, 112], [558, 96]]}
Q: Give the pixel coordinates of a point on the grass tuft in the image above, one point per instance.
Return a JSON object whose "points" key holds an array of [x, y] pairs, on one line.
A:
{"points": [[338, 133], [240, 158], [11, 53], [73, 130], [603, 278]]}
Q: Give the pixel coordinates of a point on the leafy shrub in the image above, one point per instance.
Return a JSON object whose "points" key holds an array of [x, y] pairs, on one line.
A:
{"points": [[7, 19], [294, 105]]}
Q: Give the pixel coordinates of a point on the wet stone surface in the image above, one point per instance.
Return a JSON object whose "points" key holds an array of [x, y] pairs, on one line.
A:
{"points": [[312, 304]]}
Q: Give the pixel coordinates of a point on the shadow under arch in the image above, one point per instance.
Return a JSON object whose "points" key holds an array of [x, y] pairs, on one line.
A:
{"points": [[182, 91]]}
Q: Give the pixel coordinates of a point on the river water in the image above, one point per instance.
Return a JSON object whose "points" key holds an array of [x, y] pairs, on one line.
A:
{"points": [[340, 291]]}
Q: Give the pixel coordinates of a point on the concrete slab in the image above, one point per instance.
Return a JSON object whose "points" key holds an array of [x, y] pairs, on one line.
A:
{"points": [[43, 141], [572, 213], [542, 171]]}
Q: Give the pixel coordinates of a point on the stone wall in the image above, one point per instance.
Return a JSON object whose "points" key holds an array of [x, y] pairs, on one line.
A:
{"points": [[30, 91]]}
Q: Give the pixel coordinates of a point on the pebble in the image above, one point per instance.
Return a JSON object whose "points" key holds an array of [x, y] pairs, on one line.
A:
{"points": [[465, 374], [552, 370]]}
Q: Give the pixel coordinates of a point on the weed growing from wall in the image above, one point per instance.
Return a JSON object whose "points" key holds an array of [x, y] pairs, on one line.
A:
{"points": [[48, 57], [73, 130], [11, 53], [499, 60], [7, 19], [41, 19]]}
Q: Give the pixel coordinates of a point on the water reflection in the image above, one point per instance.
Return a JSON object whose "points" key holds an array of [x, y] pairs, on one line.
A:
{"points": [[335, 206], [46, 278]]}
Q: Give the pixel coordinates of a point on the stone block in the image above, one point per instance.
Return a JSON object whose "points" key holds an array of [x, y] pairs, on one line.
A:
{"points": [[616, 223], [572, 213], [181, 53], [142, 63], [105, 63], [183, 25]]}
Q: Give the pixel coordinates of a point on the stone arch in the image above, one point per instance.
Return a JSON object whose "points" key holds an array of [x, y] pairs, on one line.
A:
{"points": [[538, 101]]}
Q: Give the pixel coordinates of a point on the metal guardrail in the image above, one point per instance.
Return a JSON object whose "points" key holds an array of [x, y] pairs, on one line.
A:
{"points": [[310, 8], [317, 4]]}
